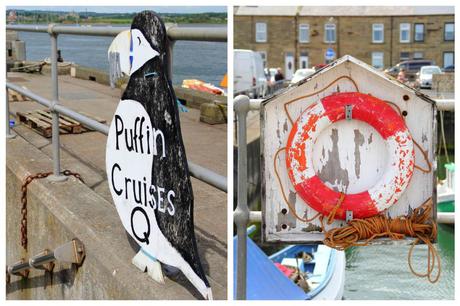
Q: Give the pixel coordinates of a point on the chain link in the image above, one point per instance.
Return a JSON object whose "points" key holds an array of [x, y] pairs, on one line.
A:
{"points": [[25, 183]]}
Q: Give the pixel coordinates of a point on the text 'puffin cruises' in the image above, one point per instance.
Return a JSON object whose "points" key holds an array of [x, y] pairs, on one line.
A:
{"points": [[141, 139]]}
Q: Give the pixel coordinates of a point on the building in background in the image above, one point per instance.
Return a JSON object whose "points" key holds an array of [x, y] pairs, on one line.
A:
{"points": [[304, 36]]}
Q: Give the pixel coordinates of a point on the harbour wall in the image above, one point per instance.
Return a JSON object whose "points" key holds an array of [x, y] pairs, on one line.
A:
{"points": [[59, 212]]}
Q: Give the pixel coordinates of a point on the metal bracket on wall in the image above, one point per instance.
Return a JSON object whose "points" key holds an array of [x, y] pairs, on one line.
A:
{"points": [[348, 112], [348, 215], [71, 252]]}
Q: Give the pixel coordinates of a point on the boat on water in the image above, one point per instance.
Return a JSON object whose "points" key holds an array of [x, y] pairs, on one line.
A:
{"points": [[271, 277]]}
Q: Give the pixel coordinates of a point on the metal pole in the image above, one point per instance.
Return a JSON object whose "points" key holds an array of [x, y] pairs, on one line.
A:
{"points": [[55, 115], [170, 58], [241, 213], [9, 134], [217, 34]]}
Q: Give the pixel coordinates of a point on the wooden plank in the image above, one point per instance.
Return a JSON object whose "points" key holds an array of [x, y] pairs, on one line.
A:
{"points": [[14, 96], [37, 124], [71, 126], [41, 122]]}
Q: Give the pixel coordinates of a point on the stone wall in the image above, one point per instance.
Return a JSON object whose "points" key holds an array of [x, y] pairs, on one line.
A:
{"points": [[444, 82], [354, 37]]}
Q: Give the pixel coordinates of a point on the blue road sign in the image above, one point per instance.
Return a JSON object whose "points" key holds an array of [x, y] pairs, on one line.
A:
{"points": [[330, 54]]}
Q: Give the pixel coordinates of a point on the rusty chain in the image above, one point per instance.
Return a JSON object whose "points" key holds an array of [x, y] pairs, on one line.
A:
{"points": [[25, 183]]}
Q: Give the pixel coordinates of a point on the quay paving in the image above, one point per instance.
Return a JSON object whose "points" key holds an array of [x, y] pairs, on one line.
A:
{"points": [[85, 153]]}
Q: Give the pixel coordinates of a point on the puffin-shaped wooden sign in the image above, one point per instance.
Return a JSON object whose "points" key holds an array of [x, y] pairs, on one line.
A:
{"points": [[145, 158]]}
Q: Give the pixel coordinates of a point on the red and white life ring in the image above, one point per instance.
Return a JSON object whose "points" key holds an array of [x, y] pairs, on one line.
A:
{"points": [[376, 113]]}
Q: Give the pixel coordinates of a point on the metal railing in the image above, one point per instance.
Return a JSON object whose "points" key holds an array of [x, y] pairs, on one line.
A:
{"points": [[174, 33], [242, 215]]}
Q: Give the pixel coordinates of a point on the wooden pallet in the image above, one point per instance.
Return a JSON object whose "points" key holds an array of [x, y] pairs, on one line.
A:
{"points": [[14, 96], [41, 122]]}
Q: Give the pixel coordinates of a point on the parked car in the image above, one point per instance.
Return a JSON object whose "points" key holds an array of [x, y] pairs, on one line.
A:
{"points": [[449, 68], [411, 68], [249, 75], [425, 76], [301, 74]]}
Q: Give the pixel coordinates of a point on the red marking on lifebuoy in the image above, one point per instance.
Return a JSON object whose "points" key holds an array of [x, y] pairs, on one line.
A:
{"points": [[331, 109]]}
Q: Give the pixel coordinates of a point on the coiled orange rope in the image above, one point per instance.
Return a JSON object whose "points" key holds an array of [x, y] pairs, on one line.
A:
{"points": [[418, 225]]}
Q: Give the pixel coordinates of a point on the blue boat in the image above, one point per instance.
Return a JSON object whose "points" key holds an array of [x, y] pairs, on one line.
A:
{"points": [[264, 281]]}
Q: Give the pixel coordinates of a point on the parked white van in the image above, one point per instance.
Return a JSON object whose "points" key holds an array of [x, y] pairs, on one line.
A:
{"points": [[248, 73]]}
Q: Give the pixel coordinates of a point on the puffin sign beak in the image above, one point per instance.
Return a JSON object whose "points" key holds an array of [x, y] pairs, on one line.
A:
{"points": [[140, 51]]}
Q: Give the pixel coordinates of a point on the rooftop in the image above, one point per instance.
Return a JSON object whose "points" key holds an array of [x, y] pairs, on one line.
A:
{"points": [[343, 10]]}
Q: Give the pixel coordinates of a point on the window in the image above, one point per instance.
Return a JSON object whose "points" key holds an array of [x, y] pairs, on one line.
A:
{"points": [[448, 59], [418, 55], [329, 33], [377, 33], [261, 32], [419, 32], [304, 33], [404, 56], [263, 55], [377, 60], [404, 32], [449, 31]]}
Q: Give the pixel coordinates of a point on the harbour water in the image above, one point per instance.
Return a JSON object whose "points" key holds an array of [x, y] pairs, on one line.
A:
{"points": [[381, 272], [206, 61]]}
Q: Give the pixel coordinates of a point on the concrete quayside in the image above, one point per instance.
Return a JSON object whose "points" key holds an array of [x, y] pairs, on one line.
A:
{"points": [[61, 211]]}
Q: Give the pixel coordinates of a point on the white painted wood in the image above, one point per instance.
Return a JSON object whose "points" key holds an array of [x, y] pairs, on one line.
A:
{"points": [[275, 128]]}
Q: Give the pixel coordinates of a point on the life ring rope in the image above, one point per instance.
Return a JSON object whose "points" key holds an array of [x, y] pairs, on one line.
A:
{"points": [[291, 207], [317, 92]]}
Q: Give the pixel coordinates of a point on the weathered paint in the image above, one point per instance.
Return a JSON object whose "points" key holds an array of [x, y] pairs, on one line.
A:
{"points": [[366, 108], [373, 153]]}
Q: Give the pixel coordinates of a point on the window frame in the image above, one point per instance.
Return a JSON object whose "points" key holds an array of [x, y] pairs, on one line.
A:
{"points": [[374, 25], [415, 32], [265, 32], [401, 59], [401, 31], [325, 33], [306, 27], [382, 58], [453, 31], [418, 58], [444, 59]]}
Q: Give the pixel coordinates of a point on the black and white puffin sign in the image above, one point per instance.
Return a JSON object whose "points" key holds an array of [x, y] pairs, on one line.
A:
{"points": [[145, 157]]}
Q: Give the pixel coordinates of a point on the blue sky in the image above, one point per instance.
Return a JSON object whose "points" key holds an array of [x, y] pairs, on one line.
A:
{"points": [[126, 9]]}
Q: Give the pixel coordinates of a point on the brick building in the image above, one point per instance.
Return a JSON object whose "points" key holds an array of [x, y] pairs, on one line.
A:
{"points": [[298, 36]]}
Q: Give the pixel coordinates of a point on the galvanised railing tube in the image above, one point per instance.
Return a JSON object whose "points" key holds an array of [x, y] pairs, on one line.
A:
{"points": [[201, 173], [175, 33], [241, 213], [57, 176], [170, 58]]}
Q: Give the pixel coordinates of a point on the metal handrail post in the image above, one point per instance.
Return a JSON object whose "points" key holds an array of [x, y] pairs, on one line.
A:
{"points": [[170, 59], [9, 134], [57, 176], [241, 213]]}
